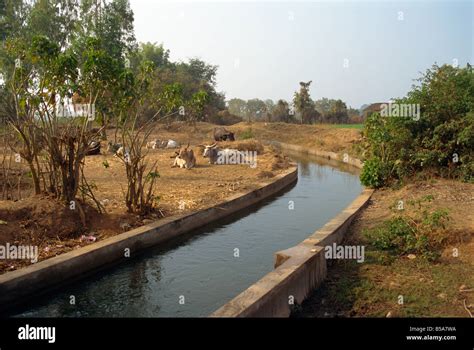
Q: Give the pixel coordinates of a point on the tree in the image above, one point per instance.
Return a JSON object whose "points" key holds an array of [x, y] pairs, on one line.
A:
{"points": [[332, 111], [111, 23], [141, 175], [103, 80], [337, 113], [354, 116], [171, 99], [154, 53], [54, 19], [304, 105], [281, 112], [52, 143], [180, 85], [238, 107], [269, 107], [256, 109], [196, 106]]}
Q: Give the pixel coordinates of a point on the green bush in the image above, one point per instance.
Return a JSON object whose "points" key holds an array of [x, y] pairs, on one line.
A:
{"points": [[422, 234], [391, 235], [373, 173], [440, 142]]}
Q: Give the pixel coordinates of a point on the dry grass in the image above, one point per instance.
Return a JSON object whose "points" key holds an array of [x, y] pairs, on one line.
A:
{"points": [[244, 145], [324, 137]]}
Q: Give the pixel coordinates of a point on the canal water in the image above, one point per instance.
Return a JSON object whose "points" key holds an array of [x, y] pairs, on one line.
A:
{"points": [[198, 273]]}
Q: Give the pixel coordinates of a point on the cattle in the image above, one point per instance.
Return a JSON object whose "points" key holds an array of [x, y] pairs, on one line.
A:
{"points": [[217, 155], [113, 147], [222, 134], [184, 158], [153, 144], [118, 150], [173, 144], [93, 148], [169, 144], [211, 152], [123, 152]]}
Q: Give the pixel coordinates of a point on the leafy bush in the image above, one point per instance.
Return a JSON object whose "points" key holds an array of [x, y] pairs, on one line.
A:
{"points": [[374, 173], [421, 234], [440, 142], [391, 235]]}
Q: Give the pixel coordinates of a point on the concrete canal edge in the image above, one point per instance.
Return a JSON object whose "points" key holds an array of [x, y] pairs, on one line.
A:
{"points": [[342, 158], [301, 269], [19, 286]]}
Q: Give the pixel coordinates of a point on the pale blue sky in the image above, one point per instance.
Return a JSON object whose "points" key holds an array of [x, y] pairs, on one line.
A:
{"points": [[264, 49]]}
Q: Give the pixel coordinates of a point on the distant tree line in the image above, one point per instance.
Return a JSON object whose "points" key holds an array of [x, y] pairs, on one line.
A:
{"points": [[301, 110]]}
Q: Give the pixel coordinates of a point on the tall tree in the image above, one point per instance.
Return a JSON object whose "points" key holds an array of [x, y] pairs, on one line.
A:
{"points": [[154, 53], [281, 112], [304, 105], [256, 109], [111, 22], [237, 107], [269, 107]]}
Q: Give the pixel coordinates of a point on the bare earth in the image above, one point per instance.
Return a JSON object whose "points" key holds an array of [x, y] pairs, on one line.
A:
{"points": [[55, 229]]}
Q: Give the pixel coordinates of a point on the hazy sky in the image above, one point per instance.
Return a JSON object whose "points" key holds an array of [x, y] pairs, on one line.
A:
{"points": [[360, 52]]}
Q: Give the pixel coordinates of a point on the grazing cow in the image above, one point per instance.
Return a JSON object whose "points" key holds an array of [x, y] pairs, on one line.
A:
{"points": [[122, 152], [217, 155], [93, 148], [113, 147], [184, 158], [211, 152], [168, 144], [153, 144], [222, 134], [118, 150], [173, 144]]}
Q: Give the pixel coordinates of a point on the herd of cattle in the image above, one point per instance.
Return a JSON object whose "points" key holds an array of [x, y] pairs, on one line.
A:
{"points": [[184, 158]]}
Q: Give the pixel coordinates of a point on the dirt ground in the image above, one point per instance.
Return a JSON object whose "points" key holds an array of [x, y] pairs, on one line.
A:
{"points": [[372, 289], [56, 229], [324, 137]]}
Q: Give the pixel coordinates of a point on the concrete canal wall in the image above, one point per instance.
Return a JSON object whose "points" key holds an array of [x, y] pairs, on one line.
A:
{"points": [[300, 269], [17, 287]]}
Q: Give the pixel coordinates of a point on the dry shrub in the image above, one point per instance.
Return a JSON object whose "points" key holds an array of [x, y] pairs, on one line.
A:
{"points": [[244, 145], [141, 175], [280, 162]]}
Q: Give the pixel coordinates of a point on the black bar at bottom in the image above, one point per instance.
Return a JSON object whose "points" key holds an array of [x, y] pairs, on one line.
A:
{"points": [[132, 333]]}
